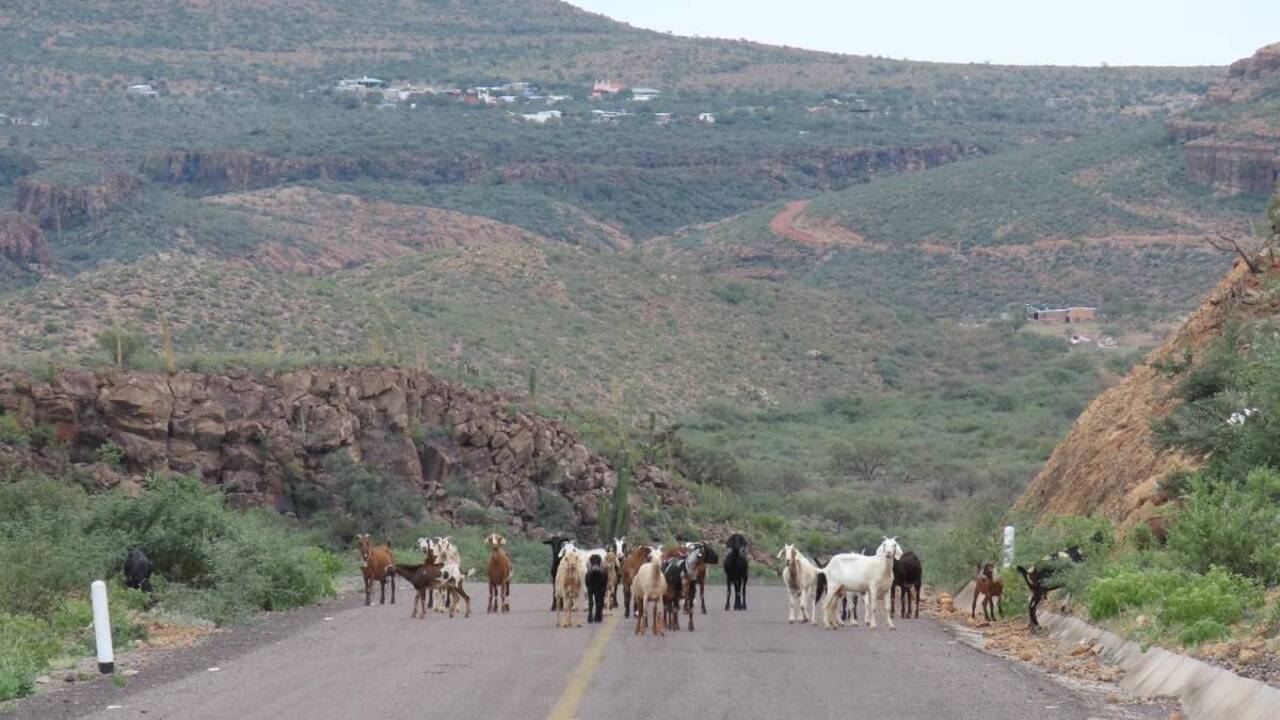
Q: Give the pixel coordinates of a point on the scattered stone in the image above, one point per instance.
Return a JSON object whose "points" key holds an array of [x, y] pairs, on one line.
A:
{"points": [[1248, 657], [1026, 656], [129, 673], [44, 680], [1115, 699]]}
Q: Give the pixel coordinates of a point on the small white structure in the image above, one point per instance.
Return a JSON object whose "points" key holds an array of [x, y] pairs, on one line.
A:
{"points": [[1010, 534], [1081, 339], [143, 90], [662, 118], [644, 94], [542, 117], [609, 116], [360, 83], [553, 99], [102, 627], [706, 118]]}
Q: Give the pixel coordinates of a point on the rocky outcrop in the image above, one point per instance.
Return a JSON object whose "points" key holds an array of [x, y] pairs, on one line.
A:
{"points": [[266, 440], [1264, 63], [1236, 148], [57, 207], [21, 240], [1234, 166], [1182, 130], [1109, 464], [244, 169], [859, 163]]}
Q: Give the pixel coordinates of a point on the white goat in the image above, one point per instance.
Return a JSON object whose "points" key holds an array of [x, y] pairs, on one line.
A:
{"points": [[801, 578], [444, 551], [860, 574]]}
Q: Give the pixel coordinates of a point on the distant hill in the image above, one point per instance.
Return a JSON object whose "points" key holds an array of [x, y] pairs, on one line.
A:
{"points": [[1109, 220], [198, 172]]}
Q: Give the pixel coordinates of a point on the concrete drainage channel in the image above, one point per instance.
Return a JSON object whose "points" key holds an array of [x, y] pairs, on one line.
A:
{"points": [[1206, 692]]}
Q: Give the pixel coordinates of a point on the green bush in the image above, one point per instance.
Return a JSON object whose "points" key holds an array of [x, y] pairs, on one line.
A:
{"points": [[1229, 525], [1189, 607], [378, 503], [110, 454], [122, 347], [12, 433], [211, 562], [26, 647], [177, 521]]}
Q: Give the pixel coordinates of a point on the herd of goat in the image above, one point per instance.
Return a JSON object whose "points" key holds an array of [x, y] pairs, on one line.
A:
{"points": [[659, 583]]}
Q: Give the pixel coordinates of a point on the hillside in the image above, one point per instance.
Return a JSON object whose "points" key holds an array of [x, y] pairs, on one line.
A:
{"points": [[772, 254], [1108, 220], [1112, 463], [238, 96]]}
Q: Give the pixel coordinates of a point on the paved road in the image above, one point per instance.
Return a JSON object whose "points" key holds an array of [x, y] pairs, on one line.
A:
{"points": [[346, 661]]}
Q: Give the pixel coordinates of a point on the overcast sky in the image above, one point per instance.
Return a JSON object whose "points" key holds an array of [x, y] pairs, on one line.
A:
{"points": [[1059, 32]]}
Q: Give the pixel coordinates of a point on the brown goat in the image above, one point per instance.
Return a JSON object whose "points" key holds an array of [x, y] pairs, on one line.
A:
{"points": [[377, 564], [422, 577], [635, 560], [987, 583], [499, 573]]}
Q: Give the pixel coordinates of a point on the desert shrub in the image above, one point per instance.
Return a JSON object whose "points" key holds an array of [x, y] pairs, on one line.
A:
{"points": [[705, 465], [1190, 607], [26, 647], [1229, 525], [260, 565], [177, 521], [378, 503], [554, 512], [12, 433], [121, 347], [110, 454]]}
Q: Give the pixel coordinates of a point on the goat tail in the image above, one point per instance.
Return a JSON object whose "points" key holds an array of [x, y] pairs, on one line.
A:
{"points": [[1026, 577]]}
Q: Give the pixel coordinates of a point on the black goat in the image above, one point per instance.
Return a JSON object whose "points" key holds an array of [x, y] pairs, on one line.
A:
{"points": [[556, 542], [736, 568], [597, 582], [1046, 575], [137, 570], [908, 573]]}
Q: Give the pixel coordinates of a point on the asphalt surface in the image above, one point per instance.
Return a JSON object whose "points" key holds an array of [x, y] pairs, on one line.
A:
{"points": [[345, 661]]}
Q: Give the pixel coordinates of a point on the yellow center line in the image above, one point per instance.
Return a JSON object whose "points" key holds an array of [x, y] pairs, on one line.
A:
{"points": [[573, 693]]}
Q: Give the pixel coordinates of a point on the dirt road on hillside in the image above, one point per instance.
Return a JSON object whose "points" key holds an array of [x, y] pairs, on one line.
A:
{"points": [[346, 661]]}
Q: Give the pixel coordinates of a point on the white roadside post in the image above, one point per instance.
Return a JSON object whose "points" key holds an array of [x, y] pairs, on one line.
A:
{"points": [[102, 627], [1008, 545]]}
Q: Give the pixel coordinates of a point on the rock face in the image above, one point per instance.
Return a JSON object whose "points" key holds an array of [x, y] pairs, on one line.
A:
{"points": [[1108, 464], [1236, 148], [1234, 166], [263, 437], [244, 169], [59, 206], [21, 240]]}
